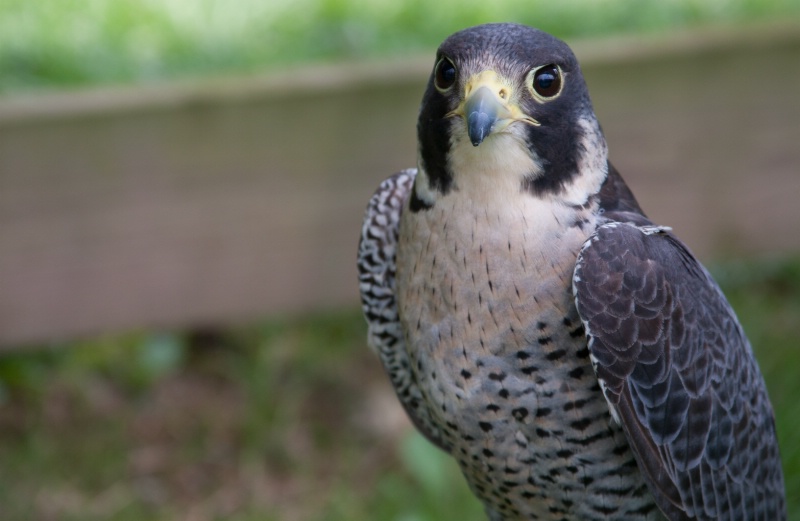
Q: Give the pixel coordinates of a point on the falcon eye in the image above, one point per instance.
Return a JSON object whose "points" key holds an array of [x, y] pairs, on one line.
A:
{"points": [[547, 81], [445, 75]]}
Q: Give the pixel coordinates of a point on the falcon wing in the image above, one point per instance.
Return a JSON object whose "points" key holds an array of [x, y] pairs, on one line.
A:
{"points": [[616, 196], [376, 275], [679, 375]]}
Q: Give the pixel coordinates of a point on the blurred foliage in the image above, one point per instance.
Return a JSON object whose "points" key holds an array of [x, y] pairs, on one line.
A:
{"points": [[289, 420], [47, 44], [261, 423], [135, 361]]}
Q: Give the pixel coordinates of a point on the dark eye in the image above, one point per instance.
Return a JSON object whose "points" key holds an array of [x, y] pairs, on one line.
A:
{"points": [[547, 81], [445, 74]]}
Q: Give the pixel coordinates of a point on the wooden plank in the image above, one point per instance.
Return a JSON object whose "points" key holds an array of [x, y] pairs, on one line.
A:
{"points": [[222, 205], [166, 218]]}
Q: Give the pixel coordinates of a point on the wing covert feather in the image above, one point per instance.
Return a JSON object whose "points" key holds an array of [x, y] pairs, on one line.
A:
{"points": [[679, 373], [376, 277]]}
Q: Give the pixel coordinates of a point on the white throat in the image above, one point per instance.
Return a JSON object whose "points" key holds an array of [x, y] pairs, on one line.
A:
{"points": [[495, 168], [493, 173]]}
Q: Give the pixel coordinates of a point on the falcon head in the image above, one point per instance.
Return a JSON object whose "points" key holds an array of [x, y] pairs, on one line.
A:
{"points": [[506, 107]]}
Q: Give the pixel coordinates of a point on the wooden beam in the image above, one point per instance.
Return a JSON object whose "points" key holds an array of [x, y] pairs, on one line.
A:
{"points": [[190, 205]]}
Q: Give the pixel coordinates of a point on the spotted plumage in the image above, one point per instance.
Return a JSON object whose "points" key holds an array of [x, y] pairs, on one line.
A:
{"points": [[574, 358]]}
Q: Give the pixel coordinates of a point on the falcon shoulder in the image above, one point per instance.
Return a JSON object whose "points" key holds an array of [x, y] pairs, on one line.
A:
{"points": [[615, 196], [678, 372], [376, 276]]}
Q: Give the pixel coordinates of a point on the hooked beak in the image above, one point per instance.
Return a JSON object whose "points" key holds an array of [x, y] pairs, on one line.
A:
{"points": [[487, 108], [481, 112]]}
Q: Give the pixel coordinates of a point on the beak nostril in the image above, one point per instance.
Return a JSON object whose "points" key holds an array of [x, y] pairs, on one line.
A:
{"points": [[503, 93]]}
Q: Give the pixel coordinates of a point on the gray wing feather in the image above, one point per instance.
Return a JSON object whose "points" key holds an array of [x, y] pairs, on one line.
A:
{"points": [[615, 196], [376, 276], [679, 374]]}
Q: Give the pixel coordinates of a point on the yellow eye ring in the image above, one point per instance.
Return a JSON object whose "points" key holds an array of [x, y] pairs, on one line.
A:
{"points": [[444, 76], [546, 82]]}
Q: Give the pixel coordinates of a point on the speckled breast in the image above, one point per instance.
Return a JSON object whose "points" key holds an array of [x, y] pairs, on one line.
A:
{"points": [[499, 354]]}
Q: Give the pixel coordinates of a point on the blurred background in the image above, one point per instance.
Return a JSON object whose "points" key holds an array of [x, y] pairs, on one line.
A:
{"points": [[181, 191]]}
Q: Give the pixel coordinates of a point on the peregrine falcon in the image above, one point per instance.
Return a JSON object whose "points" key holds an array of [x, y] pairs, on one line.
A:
{"points": [[574, 357]]}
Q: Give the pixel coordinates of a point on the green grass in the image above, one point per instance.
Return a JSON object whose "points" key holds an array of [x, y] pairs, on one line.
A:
{"points": [[262, 423], [48, 44], [289, 420]]}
